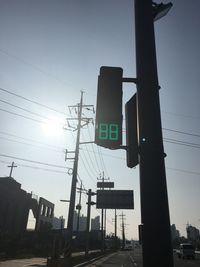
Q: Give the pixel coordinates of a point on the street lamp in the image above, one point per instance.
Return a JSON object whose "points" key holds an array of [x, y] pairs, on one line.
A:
{"points": [[160, 10]]}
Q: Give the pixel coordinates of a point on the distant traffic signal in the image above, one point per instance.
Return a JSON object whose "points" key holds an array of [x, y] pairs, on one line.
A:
{"points": [[131, 132], [108, 127]]}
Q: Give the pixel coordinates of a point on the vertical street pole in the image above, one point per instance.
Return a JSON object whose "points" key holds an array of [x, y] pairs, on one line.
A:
{"points": [[73, 186], [102, 218], [154, 200], [79, 207], [104, 229], [115, 229], [88, 222], [123, 231]]}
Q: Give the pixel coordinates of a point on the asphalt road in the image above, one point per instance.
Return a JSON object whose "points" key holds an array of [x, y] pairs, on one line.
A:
{"points": [[134, 258], [187, 262], [119, 259]]}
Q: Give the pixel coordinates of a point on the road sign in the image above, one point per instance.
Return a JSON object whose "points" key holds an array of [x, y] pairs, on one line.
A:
{"points": [[114, 199], [105, 184]]}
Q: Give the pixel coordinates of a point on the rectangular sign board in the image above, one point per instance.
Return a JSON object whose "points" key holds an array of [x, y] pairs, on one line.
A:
{"points": [[105, 184], [114, 199]]}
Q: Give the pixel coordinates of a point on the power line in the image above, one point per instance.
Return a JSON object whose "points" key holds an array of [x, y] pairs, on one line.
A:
{"points": [[23, 143], [35, 167], [101, 160], [184, 171], [33, 66], [90, 159], [26, 117], [32, 101], [29, 139], [181, 115], [33, 113], [33, 161], [179, 142], [19, 115], [181, 132], [94, 151]]}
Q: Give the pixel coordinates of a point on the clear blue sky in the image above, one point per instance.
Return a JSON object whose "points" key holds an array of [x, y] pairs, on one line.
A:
{"points": [[52, 49]]}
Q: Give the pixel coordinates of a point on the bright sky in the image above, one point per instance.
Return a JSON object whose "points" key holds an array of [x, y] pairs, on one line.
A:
{"points": [[50, 50]]}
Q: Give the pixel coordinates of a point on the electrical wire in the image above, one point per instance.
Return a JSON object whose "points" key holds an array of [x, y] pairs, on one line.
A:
{"points": [[90, 163], [19, 115], [32, 101], [33, 66], [92, 145], [181, 132], [33, 161], [184, 171], [101, 160], [31, 140], [179, 142], [35, 167], [26, 110], [23, 143]]}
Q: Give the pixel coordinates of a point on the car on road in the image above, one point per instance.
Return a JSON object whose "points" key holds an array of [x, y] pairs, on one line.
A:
{"points": [[187, 250]]}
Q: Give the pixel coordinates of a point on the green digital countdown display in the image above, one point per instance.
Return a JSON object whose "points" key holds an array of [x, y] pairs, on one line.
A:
{"points": [[109, 131]]}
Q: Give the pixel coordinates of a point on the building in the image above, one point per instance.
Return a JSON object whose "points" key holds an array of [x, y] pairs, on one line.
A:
{"points": [[95, 223], [82, 222], [192, 233], [174, 232], [15, 204], [14, 207], [58, 223], [45, 214]]}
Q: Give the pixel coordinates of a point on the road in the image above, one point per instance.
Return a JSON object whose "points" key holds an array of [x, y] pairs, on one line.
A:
{"points": [[187, 262], [120, 259], [117, 259], [134, 259]]}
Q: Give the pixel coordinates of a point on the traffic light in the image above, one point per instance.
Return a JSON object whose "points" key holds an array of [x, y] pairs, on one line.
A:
{"points": [[131, 132], [108, 127]]}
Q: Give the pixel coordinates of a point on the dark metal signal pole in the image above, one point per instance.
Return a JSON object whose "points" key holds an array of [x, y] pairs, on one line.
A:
{"points": [[115, 229], [154, 201], [102, 217], [89, 203]]}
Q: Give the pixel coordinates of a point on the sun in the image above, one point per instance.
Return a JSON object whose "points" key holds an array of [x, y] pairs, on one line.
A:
{"points": [[53, 127]]}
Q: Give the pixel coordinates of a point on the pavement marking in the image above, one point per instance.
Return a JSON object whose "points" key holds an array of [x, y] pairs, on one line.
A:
{"points": [[132, 260]]}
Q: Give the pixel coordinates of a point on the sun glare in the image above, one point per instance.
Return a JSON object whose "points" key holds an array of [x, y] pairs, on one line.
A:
{"points": [[53, 127]]}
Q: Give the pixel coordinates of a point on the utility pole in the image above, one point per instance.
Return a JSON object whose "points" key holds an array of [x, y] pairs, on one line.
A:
{"points": [[11, 168], [115, 229], [154, 201], [103, 179], [123, 230], [78, 206], [68, 249], [89, 203]]}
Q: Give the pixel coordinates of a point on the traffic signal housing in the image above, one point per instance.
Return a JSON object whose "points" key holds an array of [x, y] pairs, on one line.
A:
{"points": [[108, 126], [131, 132]]}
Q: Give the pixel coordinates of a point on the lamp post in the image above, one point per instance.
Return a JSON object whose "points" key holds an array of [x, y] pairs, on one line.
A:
{"points": [[154, 201]]}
